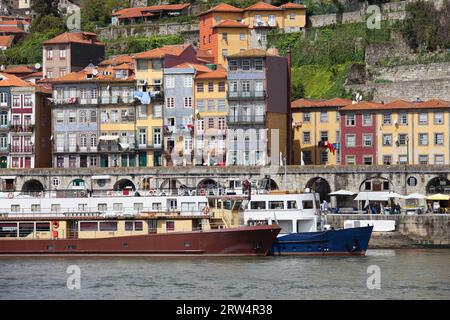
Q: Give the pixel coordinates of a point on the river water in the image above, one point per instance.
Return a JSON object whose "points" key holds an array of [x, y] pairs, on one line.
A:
{"points": [[404, 274]]}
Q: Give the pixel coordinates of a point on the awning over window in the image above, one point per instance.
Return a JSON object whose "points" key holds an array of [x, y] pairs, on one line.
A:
{"points": [[101, 177], [109, 138], [372, 196]]}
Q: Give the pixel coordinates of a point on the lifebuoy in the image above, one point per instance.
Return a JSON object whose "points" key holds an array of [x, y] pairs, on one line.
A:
{"points": [[151, 192], [10, 195], [82, 193], [55, 224], [202, 192], [205, 210]]}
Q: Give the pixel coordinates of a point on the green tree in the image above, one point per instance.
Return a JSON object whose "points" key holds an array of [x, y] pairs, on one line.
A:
{"points": [[45, 7], [144, 43], [297, 91], [98, 12]]}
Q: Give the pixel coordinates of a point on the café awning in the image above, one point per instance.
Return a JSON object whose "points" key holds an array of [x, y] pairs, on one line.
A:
{"points": [[372, 196], [109, 138], [438, 197], [415, 196], [342, 193]]}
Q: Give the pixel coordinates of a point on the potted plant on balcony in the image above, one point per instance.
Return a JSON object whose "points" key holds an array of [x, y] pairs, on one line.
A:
{"points": [[31, 127]]}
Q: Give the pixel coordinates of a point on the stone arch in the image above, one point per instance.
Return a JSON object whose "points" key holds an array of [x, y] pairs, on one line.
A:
{"points": [[123, 184], [376, 183], [32, 186], [438, 185], [208, 183], [320, 186], [170, 186], [269, 184]]}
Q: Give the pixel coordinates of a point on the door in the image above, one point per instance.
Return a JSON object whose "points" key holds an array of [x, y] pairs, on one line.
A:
{"points": [[104, 161], [3, 162]]}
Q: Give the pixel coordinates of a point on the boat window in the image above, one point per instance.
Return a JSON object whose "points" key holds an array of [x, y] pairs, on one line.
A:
{"points": [[128, 225], [25, 228], [102, 207], [157, 206], [56, 207], [15, 208], [170, 225], [43, 226], [82, 207], [292, 204], [8, 230], [35, 207], [138, 206], [138, 226], [172, 204], [152, 226], [89, 226], [308, 204], [118, 206], [201, 205], [227, 204], [276, 205], [108, 226], [187, 206], [261, 205]]}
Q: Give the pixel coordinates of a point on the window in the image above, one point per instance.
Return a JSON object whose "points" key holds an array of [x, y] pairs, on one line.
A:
{"points": [[306, 117], [232, 65], [367, 140], [258, 65], [62, 72], [188, 102], [35, 208], [211, 105], [170, 102], [439, 139], [72, 117], [3, 98], [108, 225], [423, 139], [350, 160], [308, 204], [49, 53], [423, 159], [350, 120], [323, 136], [142, 64], [242, 36], [210, 86], [387, 119], [221, 123], [350, 140], [439, 159], [221, 86], [292, 204], [323, 116], [276, 205], [245, 86], [402, 139], [93, 140], [292, 16], [402, 159], [403, 118], [438, 118], [224, 53], [423, 118], [306, 137], [157, 110], [142, 136], [157, 64], [170, 225], [257, 205], [200, 87], [387, 139], [367, 119], [387, 159], [257, 18], [170, 82], [210, 123], [83, 141], [187, 144], [221, 105], [323, 157], [89, 226], [3, 119], [367, 160], [187, 82], [245, 65], [83, 118], [16, 101], [224, 36], [93, 117], [118, 206], [62, 53], [307, 157], [200, 105]]}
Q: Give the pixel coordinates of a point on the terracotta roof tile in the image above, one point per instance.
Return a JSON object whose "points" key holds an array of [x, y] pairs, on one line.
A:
{"points": [[219, 73], [6, 41], [230, 24], [335, 102], [116, 60], [434, 103], [223, 7], [302, 103], [10, 80], [160, 53], [76, 37], [10, 29], [251, 53], [261, 6], [82, 76], [363, 105], [290, 5], [19, 69]]}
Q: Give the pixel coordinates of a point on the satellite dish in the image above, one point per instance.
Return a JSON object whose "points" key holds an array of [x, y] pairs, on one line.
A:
{"points": [[95, 72], [37, 66]]}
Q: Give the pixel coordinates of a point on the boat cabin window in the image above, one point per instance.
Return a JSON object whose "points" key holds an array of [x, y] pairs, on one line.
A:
{"points": [[56, 207], [292, 204], [15, 208], [102, 207], [172, 204], [157, 206], [8, 229], [227, 204], [261, 205], [201, 205], [82, 207], [188, 206], [25, 228], [89, 226], [43, 226], [138, 206], [170, 225], [35, 208], [134, 226], [276, 205], [108, 226], [118, 206], [308, 204]]}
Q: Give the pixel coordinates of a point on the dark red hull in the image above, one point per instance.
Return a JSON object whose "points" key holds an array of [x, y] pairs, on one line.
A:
{"points": [[247, 241]]}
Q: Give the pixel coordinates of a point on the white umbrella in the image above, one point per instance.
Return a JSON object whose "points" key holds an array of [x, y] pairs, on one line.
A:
{"points": [[395, 195], [342, 193], [415, 196]]}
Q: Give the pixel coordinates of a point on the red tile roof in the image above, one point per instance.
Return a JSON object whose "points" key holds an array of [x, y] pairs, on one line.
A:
{"points": [[10, 80], [434, 103], [75, 37], [160, 53], [290, 6], [223, 7], [219, 73], [230, 24], [12, 22], [38, 74], [19, 69], [261, 6], [198, 67], [10, 29], [116, 60], [335, 102], [252, 53], [363, 105], [302, 103], [6, 41], [146, 11]]}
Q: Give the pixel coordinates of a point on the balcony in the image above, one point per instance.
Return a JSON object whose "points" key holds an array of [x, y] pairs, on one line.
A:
{"points": [[116, 100], [242, 95], [245, 119], [22, 149], [265, 24], [19, 128]]}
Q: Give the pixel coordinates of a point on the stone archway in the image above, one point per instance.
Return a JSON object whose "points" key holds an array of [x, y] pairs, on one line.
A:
{"points": [[376, 184], [124, 184], [438, 185], [170, 186], [32, 186], [321, 186]]}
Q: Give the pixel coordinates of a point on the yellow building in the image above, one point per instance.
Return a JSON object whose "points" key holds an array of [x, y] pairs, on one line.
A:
{"points": [[210, 116], [315, 124], [413, 132], [149, 70]]}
